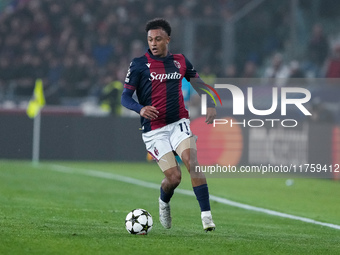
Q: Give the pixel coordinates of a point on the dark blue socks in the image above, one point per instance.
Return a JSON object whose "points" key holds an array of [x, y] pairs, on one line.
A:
{"points": [[165, 197], [202, 195], [201, 192]]}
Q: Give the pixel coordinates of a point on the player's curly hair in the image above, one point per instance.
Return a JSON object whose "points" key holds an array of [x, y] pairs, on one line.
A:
{"points": [[158, 23]]}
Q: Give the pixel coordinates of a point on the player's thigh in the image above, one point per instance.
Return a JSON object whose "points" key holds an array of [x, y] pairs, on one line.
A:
{"points": [[187, 149], [180, 131], [157, 143], [168, 164]]}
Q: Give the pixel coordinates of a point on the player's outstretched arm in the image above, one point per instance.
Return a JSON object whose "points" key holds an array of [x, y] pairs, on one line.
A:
{"points": [[197, 84], [211, 111], [211, 114]]}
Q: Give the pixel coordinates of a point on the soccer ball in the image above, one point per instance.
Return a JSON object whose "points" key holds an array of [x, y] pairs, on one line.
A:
{"points": [[138, 222]]}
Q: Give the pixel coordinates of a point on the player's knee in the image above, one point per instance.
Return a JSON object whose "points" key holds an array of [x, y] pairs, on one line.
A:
{"points": [[175, 178]]}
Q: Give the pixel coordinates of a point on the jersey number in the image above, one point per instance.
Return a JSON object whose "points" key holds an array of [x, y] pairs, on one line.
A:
{"points": [[181, 126]]}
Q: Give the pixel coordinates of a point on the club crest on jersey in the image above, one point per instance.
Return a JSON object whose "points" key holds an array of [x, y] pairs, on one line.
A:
{"points": [[177, 64]]}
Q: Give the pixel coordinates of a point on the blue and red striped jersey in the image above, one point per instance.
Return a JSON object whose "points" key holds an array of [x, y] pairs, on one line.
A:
{"points": [[158, 82]]}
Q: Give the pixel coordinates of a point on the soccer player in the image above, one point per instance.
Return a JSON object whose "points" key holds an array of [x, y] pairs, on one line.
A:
{"points": [[157, 78]]}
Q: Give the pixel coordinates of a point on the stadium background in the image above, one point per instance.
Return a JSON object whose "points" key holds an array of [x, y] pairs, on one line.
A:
{"points": [[81, 50]]}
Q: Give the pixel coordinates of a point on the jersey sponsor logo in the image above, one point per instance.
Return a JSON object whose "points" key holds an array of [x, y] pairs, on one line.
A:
{"points": [[177, 64], [164, 76]]}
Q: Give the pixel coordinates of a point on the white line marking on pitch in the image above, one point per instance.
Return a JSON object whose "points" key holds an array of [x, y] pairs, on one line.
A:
{"points": [[221, 200]]}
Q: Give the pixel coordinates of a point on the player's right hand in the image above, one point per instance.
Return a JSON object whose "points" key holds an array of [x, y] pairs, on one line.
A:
{"points": [[149, 112]]}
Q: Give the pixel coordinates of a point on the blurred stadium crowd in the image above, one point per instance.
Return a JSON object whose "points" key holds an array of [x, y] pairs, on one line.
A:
{"points": [[83, 48]]}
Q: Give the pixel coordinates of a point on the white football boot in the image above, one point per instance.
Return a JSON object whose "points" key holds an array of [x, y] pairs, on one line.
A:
{"points": [[208, 224], [164, 214]]}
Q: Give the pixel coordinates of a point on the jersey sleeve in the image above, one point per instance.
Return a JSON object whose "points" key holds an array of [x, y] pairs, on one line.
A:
{"points": [[131, 82], [197, 83], [128, 102], [190, 70], [132, 77]]}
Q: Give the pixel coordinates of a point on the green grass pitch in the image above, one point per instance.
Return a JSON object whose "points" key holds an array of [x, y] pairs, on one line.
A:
{"points": [[43, 211]]}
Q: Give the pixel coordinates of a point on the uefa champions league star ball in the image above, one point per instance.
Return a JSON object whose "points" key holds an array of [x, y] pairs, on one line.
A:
{"points": [[138, 222]]}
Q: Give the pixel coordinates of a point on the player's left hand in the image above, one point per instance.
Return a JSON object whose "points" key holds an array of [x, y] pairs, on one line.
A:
{"points": [[211, 114]]}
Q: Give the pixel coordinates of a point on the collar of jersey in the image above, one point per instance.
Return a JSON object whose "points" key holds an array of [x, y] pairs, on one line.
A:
{"points": [[158, 58]]}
